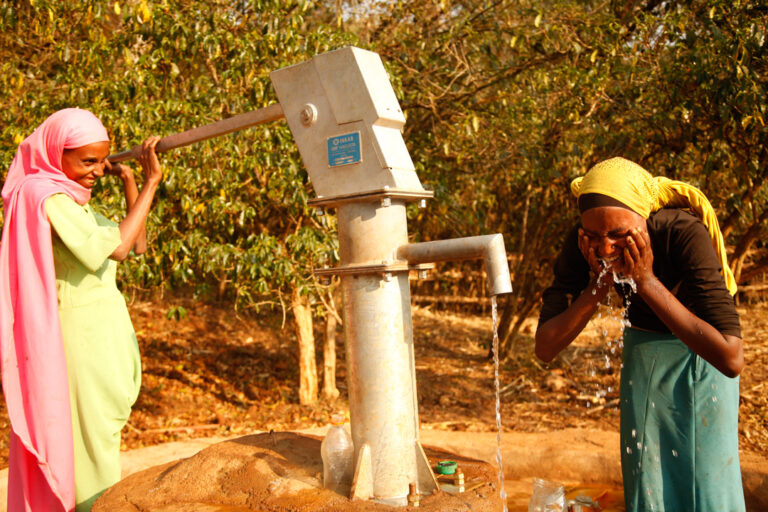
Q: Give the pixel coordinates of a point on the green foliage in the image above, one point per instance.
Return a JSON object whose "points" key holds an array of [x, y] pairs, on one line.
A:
{"points": [[506, 102], [232, 212], [177, 313]]}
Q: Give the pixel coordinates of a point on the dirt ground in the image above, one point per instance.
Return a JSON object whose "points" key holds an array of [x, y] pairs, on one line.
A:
{"points": [[274, 473], [215, 372]]}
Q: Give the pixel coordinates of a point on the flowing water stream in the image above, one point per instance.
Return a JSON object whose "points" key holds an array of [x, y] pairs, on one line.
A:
{"points": [[629, 286], [494, 314]]}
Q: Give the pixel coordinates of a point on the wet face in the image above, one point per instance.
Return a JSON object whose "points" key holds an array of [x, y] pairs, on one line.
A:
{"points": [[607, 229], [85, 164]]}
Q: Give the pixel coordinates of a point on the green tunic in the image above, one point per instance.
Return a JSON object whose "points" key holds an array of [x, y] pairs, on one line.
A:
{"points": [[103, 363], [679, 429]]}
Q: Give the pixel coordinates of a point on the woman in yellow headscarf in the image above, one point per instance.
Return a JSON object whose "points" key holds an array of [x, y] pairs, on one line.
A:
{"points": [[683, 352]]}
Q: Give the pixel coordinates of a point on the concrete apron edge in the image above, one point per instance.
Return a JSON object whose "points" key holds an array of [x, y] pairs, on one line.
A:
{"points": [[570, 456]]}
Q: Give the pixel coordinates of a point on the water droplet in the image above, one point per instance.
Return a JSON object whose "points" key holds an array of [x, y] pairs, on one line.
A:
{"points": [[674, 453], [653, 404], [629, 450], [639, 445], [714, 399], [634, 432]]}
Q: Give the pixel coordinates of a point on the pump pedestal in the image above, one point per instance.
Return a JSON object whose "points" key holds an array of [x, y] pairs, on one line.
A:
{"points": [[347, 123], [274, 472]]}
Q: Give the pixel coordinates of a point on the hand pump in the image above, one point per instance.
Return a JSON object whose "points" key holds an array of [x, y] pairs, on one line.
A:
{"points": [[346, 122]]}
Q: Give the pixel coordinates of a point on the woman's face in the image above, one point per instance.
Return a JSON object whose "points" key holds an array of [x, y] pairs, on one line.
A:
{"points": [[85, 164], [607, 229]]}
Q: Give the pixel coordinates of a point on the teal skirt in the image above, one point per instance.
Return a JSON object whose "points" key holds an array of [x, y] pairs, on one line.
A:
{"points": [[679, 429]]}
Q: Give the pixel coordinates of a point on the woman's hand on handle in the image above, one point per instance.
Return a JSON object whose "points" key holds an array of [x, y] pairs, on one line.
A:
{"points": [[150, 164], [125, 174], [132, 232]]}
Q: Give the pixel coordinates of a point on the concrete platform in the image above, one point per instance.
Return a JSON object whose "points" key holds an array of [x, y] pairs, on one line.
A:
{"points": [[568, 456]]}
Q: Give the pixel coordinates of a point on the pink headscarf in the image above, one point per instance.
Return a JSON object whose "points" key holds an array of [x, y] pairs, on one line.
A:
{"points": [[34, 372]]}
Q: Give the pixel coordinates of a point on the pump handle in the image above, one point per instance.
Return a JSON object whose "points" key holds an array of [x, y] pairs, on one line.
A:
{"points": [[241, 121]]}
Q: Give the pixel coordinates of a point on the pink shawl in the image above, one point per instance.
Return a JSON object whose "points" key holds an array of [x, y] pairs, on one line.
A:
{"points": [[34, 372]]}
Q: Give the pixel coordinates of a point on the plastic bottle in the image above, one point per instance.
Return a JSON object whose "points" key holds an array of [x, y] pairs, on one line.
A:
{"points": [[547, 496], [337, 452]]}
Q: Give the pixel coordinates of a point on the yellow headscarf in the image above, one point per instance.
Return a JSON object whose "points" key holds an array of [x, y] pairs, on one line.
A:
{"points": [[627, 182]]}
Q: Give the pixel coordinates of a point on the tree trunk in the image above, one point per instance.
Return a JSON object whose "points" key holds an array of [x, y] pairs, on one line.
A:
{"points": [[507, 343], [507, 303], [753, 234], [302, 314], [329, 358], [728, 225], [757, 268]]}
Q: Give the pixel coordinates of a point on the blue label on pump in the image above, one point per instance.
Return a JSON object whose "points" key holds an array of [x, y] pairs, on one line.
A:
{"points": [[344, 149]]}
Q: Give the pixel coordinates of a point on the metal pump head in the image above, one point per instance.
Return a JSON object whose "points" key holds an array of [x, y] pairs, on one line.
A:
{"points": [[347, 122]]}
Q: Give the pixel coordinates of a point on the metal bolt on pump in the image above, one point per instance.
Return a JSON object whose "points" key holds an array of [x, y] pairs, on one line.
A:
{"points": [[413, 495], [308, 114]]}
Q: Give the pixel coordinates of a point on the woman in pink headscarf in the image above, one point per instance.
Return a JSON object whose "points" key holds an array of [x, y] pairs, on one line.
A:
{"points": [[70, 362]]}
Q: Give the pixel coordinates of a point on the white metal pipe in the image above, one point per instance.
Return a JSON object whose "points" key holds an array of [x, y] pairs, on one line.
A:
{"points": [[381, 384], [222, 127], [488, 247], [380, 359]]}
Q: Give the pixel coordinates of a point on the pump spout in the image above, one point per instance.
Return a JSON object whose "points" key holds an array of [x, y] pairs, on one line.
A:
{"points": [[488, 247]]}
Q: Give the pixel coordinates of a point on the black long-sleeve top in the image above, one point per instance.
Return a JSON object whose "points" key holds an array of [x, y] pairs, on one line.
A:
{"points": [[684, 260]]}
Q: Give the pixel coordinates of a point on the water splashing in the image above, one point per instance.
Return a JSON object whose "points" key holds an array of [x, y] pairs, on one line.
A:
{"points": [[613, 311], [494, 314], [603, 273], [628, 281]]}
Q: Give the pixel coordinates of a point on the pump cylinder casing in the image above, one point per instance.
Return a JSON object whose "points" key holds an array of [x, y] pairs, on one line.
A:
{"points": [[379, 336], [369, 233]]}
